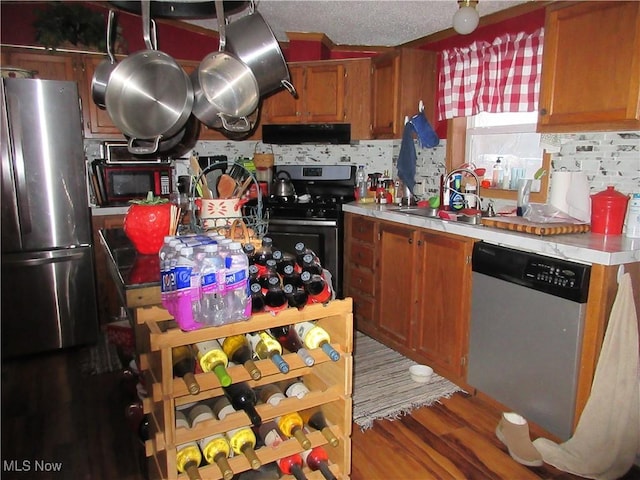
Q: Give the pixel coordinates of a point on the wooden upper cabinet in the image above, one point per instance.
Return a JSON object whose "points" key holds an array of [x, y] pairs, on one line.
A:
{"points": [[43, 65], [591, 67], [329, 91], [399, 81]]}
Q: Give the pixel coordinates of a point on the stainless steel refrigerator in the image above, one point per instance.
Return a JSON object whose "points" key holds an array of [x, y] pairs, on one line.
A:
{"points": [[48, 287]]}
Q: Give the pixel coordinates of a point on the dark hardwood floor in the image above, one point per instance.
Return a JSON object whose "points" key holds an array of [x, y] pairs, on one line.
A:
{"points": [[53, 416]]}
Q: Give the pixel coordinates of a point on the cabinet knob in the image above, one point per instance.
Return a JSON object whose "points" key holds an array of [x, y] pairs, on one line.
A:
{"points": [[410, 240], [419, 243], [543, 111]]}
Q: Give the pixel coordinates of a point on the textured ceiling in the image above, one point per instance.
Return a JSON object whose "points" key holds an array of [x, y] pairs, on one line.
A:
{"points": [[355, 22]]}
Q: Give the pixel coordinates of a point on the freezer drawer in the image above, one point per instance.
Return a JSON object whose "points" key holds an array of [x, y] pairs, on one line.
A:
{"points": [[48, 301]]}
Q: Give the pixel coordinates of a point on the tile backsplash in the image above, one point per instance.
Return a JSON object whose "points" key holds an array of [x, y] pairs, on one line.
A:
{"points": [[607, 158]]}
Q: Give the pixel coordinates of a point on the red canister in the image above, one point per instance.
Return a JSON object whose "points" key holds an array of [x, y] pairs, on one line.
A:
{"points": [[607, 211]]}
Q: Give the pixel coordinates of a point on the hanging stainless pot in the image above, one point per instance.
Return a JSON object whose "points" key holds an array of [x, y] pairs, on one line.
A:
{"points": [[103, 70], [251, 40], [225, 89], [149, 96]]}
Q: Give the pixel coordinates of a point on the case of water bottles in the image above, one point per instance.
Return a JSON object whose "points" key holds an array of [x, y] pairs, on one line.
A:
{"points": [[204, 281]]}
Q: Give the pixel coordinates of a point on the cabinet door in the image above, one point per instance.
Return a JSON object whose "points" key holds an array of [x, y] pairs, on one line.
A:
{"points": [[441, 333], [282, 107], [97, 120], [591, 68], [396, 276], [324, 93], [45, 66], [385, 74]]}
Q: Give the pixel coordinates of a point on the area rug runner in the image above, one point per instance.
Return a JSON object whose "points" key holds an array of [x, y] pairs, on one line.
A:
{"points": [[382, 386], [99, 358]]}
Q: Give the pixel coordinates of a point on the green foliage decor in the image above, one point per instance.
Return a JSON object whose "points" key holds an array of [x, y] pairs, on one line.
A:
{"points": [[62, 22]]}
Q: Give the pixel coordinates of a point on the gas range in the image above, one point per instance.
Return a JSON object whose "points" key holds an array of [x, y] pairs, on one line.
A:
{"points": [[320, 192]]}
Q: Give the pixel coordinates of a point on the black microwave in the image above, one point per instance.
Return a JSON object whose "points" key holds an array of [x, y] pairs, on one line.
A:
{"points": [[118, 153], [116, 184]]}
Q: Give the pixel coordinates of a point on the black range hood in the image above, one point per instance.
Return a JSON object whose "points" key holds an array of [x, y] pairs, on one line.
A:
{"points": [[312, 133]]}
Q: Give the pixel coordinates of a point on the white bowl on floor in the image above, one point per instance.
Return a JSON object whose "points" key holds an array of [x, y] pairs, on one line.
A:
{"points": [[421, 373]]}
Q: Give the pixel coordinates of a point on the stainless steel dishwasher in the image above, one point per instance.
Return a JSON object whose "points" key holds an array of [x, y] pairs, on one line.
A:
{"points": [[527, 316]]}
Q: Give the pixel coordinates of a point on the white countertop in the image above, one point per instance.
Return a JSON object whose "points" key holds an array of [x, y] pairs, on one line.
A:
{"points": [[586, 248]]}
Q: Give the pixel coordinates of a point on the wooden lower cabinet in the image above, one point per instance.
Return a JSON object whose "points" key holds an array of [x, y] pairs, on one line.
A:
{"points": [[330, 385], [106, 292], [411, 289]]}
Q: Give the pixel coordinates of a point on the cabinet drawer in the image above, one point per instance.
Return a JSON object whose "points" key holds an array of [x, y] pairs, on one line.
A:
{"points": [[362, 256], [363, 229], [362, 281]]}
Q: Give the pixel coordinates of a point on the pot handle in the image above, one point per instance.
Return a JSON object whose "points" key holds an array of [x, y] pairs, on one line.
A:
{"points": [[143, 150], [242, 125], [110, 18], [289, 86], [146, 23], [221, 25]]}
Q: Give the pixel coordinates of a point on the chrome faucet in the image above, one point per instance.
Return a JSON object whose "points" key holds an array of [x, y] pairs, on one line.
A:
{"points": [[447, 179]]}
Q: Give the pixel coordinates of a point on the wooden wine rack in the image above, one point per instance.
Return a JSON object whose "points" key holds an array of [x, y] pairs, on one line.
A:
{"points": [[330, 385]]}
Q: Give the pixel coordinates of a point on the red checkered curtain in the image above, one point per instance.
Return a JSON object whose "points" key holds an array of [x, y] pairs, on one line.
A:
{"points": [[503, 76]]}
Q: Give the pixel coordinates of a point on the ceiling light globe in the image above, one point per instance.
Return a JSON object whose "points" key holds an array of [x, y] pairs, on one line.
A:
{"points": [[465, 20]]}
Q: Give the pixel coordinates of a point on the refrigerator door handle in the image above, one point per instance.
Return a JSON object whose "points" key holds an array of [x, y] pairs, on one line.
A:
{"points": [[21, 180], [35, 259]]}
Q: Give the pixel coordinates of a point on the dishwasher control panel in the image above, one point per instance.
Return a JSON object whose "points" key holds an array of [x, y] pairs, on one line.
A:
{"points": [[550, 275]]}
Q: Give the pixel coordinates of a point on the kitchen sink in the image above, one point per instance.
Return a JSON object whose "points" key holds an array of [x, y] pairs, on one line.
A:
{"points": [[433, 214]]}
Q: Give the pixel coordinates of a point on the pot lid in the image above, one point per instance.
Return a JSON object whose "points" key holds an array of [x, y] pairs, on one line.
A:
{"points": [[610, 195], [181, 9]]}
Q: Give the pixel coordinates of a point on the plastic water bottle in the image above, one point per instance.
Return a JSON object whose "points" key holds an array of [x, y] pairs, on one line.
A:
{"points": [[172, 262], [632, 224], [187, 293], [212, 284], [164, 255], [237, 295], [361, 182]]}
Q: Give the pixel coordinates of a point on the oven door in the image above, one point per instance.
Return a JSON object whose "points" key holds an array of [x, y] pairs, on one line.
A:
{"points": [[321, 236]]}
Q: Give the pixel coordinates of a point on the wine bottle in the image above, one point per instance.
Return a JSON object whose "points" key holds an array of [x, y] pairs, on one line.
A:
{"points": [[188, 456], [317, 459], [315, 419], [289, 339], [268, 471], [314, 336], [267, 347], [294, 388], [291, 425], [289, 465], [271, 394], [242, 439], [213, 359], [238, 350], [215, 448], [183, 366], [242, 397]]}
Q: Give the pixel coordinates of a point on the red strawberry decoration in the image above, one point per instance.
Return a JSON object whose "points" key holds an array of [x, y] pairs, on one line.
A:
{"points": [[147, 223]]}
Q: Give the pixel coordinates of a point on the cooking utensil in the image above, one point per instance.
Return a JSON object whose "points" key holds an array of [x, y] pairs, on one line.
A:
{"points": [[239, 191], [103, 71], [283, 187], [149, 96], [226, 186], [202, 183], [251, 40], [225, 89]]}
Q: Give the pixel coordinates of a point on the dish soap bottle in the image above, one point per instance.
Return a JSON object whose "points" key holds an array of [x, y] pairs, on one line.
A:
{"points": [[497, 174]]}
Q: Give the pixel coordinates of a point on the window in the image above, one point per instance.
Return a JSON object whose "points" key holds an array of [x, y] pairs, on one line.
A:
{"points": [[485, 143], [507, 138]]}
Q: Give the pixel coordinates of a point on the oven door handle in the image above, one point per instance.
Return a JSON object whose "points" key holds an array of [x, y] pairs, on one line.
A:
{"points": [[303, 223]]}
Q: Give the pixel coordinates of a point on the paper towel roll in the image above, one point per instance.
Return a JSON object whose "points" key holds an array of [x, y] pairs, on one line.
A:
{"points": [[569, 193], [560, 183]]}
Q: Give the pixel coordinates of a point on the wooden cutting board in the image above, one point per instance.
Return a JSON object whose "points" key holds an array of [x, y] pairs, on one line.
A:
{"points": [[519, 224]]}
